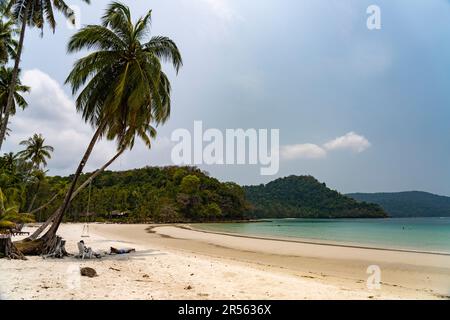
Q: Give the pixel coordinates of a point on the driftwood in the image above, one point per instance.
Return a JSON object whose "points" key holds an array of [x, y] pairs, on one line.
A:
{"points": [[8, 249], [60, 249], [53, 249], [30, 248]]}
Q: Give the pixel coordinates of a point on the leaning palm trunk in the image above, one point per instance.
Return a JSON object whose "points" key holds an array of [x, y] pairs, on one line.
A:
{"points": [[49, 240], [34, 196], [15, 74], [37, 233], [49, 220], [45, 205]]}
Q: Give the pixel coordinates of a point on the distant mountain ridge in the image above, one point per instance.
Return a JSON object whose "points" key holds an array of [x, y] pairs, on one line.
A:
{"points": [[408, 204], [305, 197]]}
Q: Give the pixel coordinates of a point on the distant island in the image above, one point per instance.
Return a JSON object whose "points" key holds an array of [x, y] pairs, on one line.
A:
{"points": [[305, 197], [187, 194], [408, 204]]}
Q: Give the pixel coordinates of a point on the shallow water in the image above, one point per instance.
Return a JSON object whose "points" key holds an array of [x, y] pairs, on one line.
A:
{"points": [[422, 234]]}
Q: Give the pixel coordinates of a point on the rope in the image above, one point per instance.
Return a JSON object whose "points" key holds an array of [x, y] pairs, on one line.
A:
{"points": [[85, 232]]}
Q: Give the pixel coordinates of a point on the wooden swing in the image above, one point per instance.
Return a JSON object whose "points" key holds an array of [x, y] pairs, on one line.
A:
{"points": [[85, 232]]}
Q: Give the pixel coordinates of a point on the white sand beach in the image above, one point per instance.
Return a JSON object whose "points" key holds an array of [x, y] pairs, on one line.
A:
{"points": [[178, 263]]}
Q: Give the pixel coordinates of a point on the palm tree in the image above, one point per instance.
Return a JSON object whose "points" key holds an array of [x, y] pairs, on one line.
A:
{"points": [[127, 142], [9, 219], [38, 177], [10, 216], [5, 85], [9, 161], [124, 86], [36, 151], [8, 43], [34, 13]]}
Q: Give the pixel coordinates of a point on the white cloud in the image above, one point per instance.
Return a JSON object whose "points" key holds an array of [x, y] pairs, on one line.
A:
{"points": [[302, 151], [52, 112], [350, 141]]}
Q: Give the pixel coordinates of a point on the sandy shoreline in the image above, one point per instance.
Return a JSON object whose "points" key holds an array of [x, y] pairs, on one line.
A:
{"points": [[178, 263]]}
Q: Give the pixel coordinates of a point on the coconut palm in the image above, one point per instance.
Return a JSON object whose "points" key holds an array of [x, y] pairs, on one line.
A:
{"points": [[10, 216], [36, 151], [5, 82], [125, 89], [9, 161], [33, 13], [127, 142], [8, 43]]}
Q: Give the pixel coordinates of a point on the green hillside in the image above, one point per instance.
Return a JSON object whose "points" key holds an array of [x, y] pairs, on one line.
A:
{"points": [[305, 197], [408, 204], [152, 194]]}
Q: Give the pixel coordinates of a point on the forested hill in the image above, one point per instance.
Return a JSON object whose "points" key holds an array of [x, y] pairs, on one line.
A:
{"points": [[305, 197], [408, 204], [170, 194]]}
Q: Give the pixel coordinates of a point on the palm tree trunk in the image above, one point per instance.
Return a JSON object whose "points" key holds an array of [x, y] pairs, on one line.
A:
{"points": [[15, 73], [80, 188], [34, 196], [45, 205], [49, 239]]}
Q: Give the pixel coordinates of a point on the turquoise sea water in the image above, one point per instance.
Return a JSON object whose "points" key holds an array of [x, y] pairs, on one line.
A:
{"points": [[421, 234]]}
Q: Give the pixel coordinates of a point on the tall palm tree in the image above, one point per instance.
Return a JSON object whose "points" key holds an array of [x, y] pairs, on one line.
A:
{"points": [[124, 86], [33, 13], [9, 161], [8, 43], [6, 75], [36, 151]]}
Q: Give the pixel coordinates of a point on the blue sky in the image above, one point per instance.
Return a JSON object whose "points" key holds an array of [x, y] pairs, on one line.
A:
{"points": [[309, 68]]}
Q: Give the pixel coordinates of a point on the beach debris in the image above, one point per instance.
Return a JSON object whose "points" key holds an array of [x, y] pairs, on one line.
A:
{"points": [[114, 269], [59, 251], [145, 276], [189, 287], [88, 272]]}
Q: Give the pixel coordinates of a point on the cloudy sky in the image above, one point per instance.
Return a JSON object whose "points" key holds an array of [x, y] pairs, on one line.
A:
{"points": [[361, 110]]}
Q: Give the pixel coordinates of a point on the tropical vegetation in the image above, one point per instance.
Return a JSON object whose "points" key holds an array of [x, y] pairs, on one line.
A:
{"points": [[26, 13], [408, 204], [5, 85], [305, 197], [151, 194]]}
